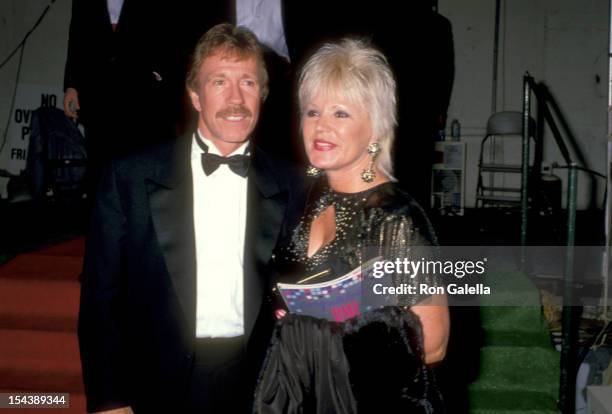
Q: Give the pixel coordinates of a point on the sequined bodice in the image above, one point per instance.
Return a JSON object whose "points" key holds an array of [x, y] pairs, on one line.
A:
{"points": [[347, 208], [381, 221]]}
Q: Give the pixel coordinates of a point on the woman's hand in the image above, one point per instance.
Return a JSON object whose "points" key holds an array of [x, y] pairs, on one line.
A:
{"points": [[433, 313], [280, 313]]}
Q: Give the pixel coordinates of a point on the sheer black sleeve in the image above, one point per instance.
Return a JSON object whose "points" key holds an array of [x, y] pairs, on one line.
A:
{"points": [[400, 232]]}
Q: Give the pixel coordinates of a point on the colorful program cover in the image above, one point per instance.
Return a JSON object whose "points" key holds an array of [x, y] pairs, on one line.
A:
{"points": [[335, 300]]}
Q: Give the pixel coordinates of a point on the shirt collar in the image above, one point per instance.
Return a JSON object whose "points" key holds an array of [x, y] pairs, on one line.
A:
{"points": [[212, 148]]}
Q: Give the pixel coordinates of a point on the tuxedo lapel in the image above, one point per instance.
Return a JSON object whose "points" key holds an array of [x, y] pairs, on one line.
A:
{"points": [[126, 9], [170, 193], [267, 204], [100, 8]]}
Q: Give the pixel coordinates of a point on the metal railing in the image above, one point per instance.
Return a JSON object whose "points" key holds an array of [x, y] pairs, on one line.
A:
{"points": [[569, 354]]}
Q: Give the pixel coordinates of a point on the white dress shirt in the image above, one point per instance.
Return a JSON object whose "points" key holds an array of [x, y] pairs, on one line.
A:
{"points": [[219, 212], [114, 10], [264, 18]]}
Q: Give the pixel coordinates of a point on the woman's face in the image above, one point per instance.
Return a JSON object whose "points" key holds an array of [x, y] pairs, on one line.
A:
{"points": [[336, 134]]}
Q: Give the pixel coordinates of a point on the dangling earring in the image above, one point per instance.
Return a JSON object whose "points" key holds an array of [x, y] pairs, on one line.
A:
{"points": [[369, 174], [312, 171]]}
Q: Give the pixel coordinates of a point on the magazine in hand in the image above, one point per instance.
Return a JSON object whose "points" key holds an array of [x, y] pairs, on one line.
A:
{"points": [[336, 300]]}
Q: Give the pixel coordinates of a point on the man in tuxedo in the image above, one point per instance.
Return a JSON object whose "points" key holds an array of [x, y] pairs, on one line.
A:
{"points": [[173, 314]]}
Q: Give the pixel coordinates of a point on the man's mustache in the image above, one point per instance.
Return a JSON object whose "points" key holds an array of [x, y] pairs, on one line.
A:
{"points": [[239, 110]]}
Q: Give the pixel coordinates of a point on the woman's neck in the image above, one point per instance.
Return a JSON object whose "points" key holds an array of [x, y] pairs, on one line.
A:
{"points": [[343, 182]]}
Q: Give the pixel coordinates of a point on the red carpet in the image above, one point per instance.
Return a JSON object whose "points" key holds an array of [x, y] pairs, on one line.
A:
{"points": [[39, 300]]}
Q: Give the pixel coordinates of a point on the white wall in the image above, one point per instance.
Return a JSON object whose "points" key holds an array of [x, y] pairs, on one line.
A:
{"points": [[563, 43], [45, 53], [43, 58]]}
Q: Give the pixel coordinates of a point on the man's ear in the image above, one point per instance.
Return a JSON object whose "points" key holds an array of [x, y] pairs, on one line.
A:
{"points": [[195, 100]]}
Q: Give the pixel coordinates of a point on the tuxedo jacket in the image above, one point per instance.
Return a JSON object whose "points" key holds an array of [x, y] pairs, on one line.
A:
{"points": [[138, 298]]}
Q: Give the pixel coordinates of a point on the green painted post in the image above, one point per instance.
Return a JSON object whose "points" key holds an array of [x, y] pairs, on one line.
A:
{"points": [[569, 369], [525, 165]]}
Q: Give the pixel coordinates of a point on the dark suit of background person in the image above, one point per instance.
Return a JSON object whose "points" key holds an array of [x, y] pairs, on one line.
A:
{"points": [[418, 43], [130, 78], [137, 318]]}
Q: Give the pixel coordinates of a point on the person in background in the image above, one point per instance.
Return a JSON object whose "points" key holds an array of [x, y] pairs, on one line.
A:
{"points": [[124, 75]]}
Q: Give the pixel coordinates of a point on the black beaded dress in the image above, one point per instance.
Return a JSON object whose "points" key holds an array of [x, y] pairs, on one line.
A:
{"points": [[371, 363]]}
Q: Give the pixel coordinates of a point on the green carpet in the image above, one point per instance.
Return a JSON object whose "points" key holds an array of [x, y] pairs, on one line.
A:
{"points": [[519, 368]]}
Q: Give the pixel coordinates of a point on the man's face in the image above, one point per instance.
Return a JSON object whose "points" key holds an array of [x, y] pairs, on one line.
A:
{"points": [[228, 98]]}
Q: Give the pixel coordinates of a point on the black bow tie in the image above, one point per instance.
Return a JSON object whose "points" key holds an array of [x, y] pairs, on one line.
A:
{"points": [[239, 164]]}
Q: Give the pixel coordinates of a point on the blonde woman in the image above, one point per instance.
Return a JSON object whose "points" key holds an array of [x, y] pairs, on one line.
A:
{"points": [[376, 360]]}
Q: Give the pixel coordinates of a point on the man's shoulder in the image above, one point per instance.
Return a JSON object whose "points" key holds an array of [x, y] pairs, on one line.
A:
{"points": [[152, 160]]}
